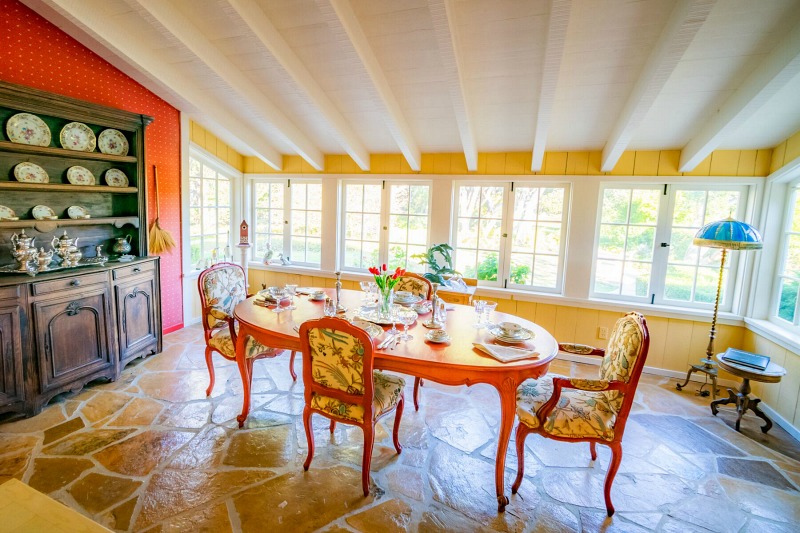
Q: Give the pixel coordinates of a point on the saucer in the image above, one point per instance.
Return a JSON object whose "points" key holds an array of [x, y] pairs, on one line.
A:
{"points": [[437, 340], [317, 299]]}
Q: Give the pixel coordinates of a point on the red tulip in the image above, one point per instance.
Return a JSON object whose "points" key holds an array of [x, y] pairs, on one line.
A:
{"points": [[384, 267]]}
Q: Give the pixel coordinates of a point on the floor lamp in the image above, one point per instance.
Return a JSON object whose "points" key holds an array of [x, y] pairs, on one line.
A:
{"points": [[728, 234]]}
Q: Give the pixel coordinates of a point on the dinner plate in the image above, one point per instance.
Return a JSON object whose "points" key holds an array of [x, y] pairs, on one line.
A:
{"points": [[30, 173], [78, 136], [116, 178], [42, 212], [411, 300], [373, 330], [6, 213], [79, 175], [25, 128], [77, 212], [112, 142], [522, 336]]}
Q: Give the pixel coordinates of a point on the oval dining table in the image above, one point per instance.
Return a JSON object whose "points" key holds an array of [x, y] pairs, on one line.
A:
{"points": [[453, 363]]}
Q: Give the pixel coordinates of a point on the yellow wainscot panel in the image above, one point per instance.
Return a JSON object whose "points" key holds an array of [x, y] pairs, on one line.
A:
{"points": [[566, 323], [789, 389], [546, 317], [624, 166], [724, 163], [586, 326], [555, 163], [595, 162], [458, 164], [577, 163], [515, 163], [668, 161], [678, 349], [658, 327], [496, 163], [526, 310], [702, 169], [645, 163], [747, 163]]}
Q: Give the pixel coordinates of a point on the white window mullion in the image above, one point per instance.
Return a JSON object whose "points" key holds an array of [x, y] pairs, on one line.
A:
{"points": [[661, 253], [287, 219]]}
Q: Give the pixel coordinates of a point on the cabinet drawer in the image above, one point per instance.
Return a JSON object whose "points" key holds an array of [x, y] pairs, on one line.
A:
{"points": [[10, 292], [133, 270], [75, 282]]}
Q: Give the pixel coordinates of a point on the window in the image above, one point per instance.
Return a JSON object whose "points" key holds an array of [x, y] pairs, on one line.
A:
{"points": [[210, 195], [789, 274], [533, 257], [644, 249], [288, 217], [384, 223]]}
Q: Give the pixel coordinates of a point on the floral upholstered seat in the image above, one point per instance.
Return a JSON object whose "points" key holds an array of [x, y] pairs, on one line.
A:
{"points": [[592, 410], [415, 284], [342, 385], [222, 288]]}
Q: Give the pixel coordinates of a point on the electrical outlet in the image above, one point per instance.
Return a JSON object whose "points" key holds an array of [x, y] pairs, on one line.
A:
{"points": [[602, 333]]}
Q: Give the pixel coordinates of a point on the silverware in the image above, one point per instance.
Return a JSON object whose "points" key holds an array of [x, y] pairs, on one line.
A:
{"points": [[395, 340], [386, 341]]}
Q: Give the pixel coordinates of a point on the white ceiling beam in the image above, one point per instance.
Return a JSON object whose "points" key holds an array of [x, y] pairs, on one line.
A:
{"points": [[773, 72], [342, 21], [166, 15], [558, 22], [685, 21], [122, 43], [251, 15], [442, 12]]}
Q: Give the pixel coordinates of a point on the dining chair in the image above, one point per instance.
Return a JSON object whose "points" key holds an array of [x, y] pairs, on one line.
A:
{"points": [[342, 385], [420, 286], [222, 288], [587, 410]]}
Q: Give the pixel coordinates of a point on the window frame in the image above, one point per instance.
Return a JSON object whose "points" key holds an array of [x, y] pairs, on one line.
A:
{"points": [[236, 178], [287, 215], [793, 190], [663, 234], [383, 238]]}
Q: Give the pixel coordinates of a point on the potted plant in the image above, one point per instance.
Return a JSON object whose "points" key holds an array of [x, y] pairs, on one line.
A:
{"points": [[432, 257]]}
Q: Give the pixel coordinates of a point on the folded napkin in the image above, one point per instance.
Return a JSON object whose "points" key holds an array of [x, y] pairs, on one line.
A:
{"points": [[506, 354]]}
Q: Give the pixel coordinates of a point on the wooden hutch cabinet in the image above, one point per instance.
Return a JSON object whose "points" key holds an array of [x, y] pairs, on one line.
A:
{"points": [[63, 328]]}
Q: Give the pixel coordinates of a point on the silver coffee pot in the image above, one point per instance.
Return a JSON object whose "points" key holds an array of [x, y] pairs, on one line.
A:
{"points": [[66, 248], [23, 251]]}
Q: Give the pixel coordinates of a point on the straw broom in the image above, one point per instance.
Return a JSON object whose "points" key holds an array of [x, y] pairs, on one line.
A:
{"points": [[160, 239]]}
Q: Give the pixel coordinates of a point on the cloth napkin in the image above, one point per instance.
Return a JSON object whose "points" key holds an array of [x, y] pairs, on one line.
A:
{"points": [[506, 354]]}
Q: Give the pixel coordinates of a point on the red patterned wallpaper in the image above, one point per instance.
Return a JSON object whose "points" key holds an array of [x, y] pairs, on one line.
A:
{"points": [[35, 53]]}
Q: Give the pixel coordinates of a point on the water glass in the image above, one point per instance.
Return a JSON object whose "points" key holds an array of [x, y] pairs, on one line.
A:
{"points": [[479, 306], [407, 317], [488, 307], [394, 310], [292, 291], [277, 293]]}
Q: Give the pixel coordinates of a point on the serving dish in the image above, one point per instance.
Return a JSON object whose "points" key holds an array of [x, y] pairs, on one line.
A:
{"points": [[42, 212], [374, 316], [77, 212], [79, 175], [78, 136], [116, 178], [30, 173], [25, 128], [112, 142]]}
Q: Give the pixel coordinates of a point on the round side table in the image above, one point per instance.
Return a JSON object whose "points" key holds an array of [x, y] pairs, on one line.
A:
{"points": [[772, 374]]}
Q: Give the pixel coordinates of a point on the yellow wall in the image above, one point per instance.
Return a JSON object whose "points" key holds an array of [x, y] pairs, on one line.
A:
{"points": [[786, 152], [210, 143]]}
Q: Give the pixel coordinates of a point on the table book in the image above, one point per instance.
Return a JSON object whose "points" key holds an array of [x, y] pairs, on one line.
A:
{"points": [[751, 360]]}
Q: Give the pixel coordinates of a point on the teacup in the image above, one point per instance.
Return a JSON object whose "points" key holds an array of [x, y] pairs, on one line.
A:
{"points": [[438, 334], [318, 295], [510, 328]]}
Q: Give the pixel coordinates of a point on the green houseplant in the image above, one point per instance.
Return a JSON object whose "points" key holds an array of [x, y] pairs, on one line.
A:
{"points": [[431, 259]]}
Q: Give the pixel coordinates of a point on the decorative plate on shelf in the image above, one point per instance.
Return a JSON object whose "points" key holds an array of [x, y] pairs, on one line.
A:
{"points": [[42, 212], [24, 128], [112, 142], [77, 212], [30, 173], [79, 175], [116, 178], [7, 214], [78, 136]]}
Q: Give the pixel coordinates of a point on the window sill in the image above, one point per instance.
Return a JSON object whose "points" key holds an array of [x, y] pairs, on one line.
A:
{"points": [[774, 333]]}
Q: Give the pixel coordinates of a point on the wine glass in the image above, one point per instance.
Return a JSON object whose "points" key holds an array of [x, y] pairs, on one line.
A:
{"points": [[488, 307], [479, 306], [395, 309], [292, 291], [407, 317], [365, 286], [277, 293]]}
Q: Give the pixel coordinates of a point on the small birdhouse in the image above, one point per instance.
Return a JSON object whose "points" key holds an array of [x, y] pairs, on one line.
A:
{"points": [[243, 233]]}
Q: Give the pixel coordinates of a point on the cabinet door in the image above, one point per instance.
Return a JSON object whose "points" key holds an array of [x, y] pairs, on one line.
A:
{"points": [[11, 384], [72, 338], [136, 316]]}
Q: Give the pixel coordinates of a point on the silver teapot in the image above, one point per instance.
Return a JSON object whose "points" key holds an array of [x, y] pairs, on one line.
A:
{"points": [[43, 259], [65, 248], [23, 251]]}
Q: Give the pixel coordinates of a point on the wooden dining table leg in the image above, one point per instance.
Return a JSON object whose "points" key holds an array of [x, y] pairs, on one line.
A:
{"points": [[508, 404], [241, 362]]}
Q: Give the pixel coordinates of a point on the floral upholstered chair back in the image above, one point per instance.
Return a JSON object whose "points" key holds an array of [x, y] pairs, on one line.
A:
{"points": [[624, 357], [341, 360], [222, 287], [414, 284]]}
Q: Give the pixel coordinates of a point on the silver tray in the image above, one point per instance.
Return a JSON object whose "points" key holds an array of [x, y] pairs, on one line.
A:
{"points": [[90, 261]]}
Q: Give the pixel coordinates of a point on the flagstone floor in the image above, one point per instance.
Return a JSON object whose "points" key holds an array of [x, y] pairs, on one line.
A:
{"points": [[151, 453]]}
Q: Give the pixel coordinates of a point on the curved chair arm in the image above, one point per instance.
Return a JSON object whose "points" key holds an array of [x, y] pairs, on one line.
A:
{"points": [[232, 328], [581, 349], [594, 385]]}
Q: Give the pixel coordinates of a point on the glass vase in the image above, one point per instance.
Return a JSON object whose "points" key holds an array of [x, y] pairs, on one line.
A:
{"points": [[386, 299]]}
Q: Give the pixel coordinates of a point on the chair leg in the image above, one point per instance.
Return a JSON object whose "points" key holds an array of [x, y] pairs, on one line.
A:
{"points": [[593, 450], [522, 434], [616, 458], [417, 385], [333, 425], [210, 364], [369, 440], [398, 414], [309, 437], [291, 366]]}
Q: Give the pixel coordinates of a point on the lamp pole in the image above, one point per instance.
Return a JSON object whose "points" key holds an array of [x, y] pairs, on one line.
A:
{"points": [[708, 362]]}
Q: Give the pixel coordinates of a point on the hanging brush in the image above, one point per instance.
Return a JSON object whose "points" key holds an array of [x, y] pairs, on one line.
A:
{"points": [[160, 239]]}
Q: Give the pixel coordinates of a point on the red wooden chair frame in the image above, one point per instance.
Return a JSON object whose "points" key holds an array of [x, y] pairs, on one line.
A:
{"points": [[208, 331], [365, 400], [418, 381], [629, 391]]}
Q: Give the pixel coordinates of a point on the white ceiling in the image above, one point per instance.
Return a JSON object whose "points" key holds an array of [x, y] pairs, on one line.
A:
{"points": [[315, 77]]}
